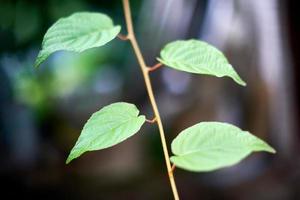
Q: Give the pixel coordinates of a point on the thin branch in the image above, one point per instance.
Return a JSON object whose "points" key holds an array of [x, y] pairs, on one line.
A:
{"points": [[151, 121], [144, 69], [154, 67]]}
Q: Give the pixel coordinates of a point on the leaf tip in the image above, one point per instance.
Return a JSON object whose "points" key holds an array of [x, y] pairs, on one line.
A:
{"points": [[69, 159], [37, 61], [236, 77], [41, 57], [36, 64], [271, 150], [243, 83], [238, 80], [72, 156]]}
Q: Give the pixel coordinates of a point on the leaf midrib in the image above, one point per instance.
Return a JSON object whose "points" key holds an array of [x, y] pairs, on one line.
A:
{"points": [[110, 130], [207, 150], [72, 40]]}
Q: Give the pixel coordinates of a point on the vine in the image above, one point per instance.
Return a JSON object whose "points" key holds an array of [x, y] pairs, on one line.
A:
{"points": [[204, 147]]}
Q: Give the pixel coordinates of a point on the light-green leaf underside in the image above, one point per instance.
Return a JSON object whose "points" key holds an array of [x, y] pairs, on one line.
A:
{"points": [[107, 127], [208, 146], [198, 57], [78, 32]]}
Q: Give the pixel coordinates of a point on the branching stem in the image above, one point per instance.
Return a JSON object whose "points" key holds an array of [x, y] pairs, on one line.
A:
{"points": [[137, 51]]}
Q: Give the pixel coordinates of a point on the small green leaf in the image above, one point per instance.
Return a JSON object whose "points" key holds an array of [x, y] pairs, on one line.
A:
{"points": [[198, 57], [78, 32], [209, 146], [107, 127]]}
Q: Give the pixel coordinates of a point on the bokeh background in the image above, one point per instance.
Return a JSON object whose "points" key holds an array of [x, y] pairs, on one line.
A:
{"points": [[43, 110]]}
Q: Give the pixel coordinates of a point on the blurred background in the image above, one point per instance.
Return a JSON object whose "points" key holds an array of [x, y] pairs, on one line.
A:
{"points": [[43, 110]]}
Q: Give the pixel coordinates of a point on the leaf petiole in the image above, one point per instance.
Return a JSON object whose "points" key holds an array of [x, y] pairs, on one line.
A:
{"points": [[154, 67], [151, 121], [123, 37]]}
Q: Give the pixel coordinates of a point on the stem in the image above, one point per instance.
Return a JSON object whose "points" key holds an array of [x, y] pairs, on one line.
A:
{"points": [[137, 51]]}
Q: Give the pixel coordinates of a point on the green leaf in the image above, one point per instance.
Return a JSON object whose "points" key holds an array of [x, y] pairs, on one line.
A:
{"points": [[107, 127], [198, 57], [78, 32], [209, 146]]}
